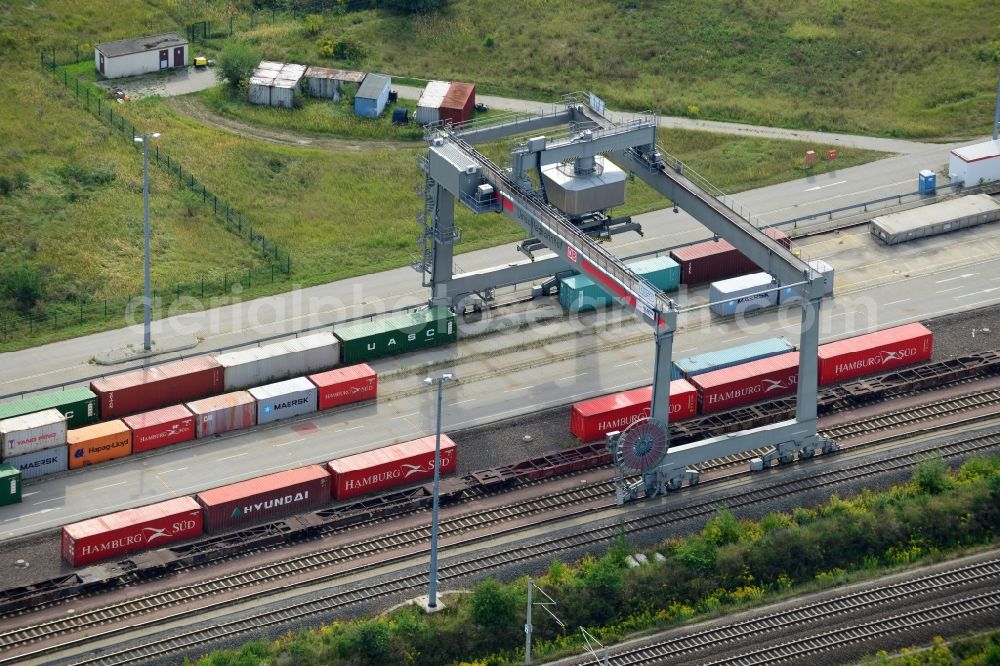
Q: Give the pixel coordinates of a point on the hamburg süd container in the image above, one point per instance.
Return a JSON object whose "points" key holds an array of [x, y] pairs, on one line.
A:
{"points": [[874, 353], [345, 385], [390, 466], [10, 485], [265, 498], [160, 427], [578, 293], [718, 259], [32, 432], [396, 335], [99, 443], [746, 293], [40, 463], [663, 272], [222, 413], [748, 382], [257, 366], [131, 530], [793, 294], [78, 405], [724, 358], [592, 419], [158, 386], [282, 400]]}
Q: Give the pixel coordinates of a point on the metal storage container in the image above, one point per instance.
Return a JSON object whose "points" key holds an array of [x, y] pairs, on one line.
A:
{"points": [[725, 358], [793, 294], [158, 386], [257, 366], [40, 463], [265, 498], [391, 466], [748, 382], [429, 105], [663, 272], [222, 413], [396, 335], [874, 353], [458, 103], [578, 293], [939, 218], [131, 530], [78, 405], [743, 294], [716, 260], [10, 485], [161, 427], [32, 432], [283, 400], [99, 443], [592, 419], [345, 385], [372, 96]]}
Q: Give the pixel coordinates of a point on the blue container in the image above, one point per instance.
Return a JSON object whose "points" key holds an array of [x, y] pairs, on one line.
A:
{"points": [[662, 272], [926, 182], [372, 96], [726, 358], [578, 293]]}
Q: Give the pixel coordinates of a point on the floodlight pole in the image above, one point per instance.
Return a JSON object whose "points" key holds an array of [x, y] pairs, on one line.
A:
{"points": [[148, 300], [432, 592]]}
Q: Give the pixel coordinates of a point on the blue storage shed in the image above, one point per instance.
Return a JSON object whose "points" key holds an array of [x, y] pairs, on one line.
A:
{"points": [[686, 368], [372, 96]]}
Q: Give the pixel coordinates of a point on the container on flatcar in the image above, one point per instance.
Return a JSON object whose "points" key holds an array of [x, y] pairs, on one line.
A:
{"points": [[99, 443], [223, 413], [345, 385], [874, 352], [396, 335], [158, 386], [793, 294], [748, 382], [592, 419], [743, 294], [265, 498], [257, 366], [40, 463], [663, 272], [160, 427], [32, 432], [131, 530], [283, 400], [390, 466], [78, 405], [718, 259], [10, 485], [578, 293], [724, 358]]}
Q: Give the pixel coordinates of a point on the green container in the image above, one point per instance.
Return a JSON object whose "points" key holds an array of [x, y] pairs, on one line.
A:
{"points": [[78, 405], [10, 485], [396, 335], [578, 293], [663, 272]]}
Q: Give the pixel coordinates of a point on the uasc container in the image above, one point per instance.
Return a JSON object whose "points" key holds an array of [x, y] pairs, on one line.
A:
{"points": [[743, 294], [396, 335], [98, 443], [40, 463], [725, 358], [160, 427], [78, 405], [346, 385], [265, 498], [282, 360], [32, 432], [390, 466], [168, 384], [10, 485], [592, 419], [874, 352], [283, 400], [131, 530], [223, 413], [749, 382]]}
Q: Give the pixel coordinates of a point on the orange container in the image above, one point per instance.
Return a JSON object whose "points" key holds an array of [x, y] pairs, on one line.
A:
{"points": [[98, 443]]}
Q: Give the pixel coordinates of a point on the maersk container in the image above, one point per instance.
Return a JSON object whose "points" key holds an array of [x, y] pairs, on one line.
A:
{"points": [[793, 294], [396, 335], [740, 295], [40, 463], [874, 353], [281, 360], [160, 427], [78, 405], [578, 293], [390, 466], [725, 358], [10, 485], [222, 413], [32, 432], [158, 386], [748, 382], [282, 400], [592, 419], [345, 385], [663, 272]]}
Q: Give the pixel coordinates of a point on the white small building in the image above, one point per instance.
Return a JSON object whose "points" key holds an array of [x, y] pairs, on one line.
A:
{"points": [[975, 163], [327, 82], [131, 57], [275, 83]]}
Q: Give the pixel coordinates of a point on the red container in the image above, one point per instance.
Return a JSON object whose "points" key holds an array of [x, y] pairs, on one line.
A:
{"points": [[458, 102], [874, 353], [592, 419], [265, 498], [159, 386], [127, 531], [741, 384], [346, 385], [160, 427], [395, 465], [716, 260]]}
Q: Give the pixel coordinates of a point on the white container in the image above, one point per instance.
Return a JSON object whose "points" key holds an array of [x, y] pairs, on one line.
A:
{"points": [[32, 432], [40, 463], [793, 294], [742, 294], [247, 368], [974, 164], [429, 105], [285, 399]]}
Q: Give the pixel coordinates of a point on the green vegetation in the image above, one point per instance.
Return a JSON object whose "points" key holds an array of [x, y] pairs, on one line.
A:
{"points": [[975, 651], [237, 61], [730, 563]]}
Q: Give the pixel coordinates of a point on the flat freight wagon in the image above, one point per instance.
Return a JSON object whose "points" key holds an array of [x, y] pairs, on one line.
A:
{"points": [[158, 386], [592, 419], [396, 335], [934, 219], [725, 358], [78, 405], [390, 466]]}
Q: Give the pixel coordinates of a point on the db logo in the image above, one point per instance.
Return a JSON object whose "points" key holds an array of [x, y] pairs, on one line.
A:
{"points": [[571, 254]]}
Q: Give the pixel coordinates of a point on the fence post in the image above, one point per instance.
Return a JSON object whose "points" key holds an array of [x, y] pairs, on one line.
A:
{"points": [[55, 319], [225, 283], [77, 86], [203, 285], [81, 312], [272, 273], [248, 278], [105, 307]]}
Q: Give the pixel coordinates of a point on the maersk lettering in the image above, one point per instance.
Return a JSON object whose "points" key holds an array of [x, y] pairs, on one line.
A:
{"points": [[39, 463], [270, 504], [754, 297], [290, 403]]}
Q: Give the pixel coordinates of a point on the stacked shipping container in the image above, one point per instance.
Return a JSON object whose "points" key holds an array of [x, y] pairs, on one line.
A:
{"points": [[99, 443], [161, 427], [396, 335], [223, 413], [78, 405], [717, 259], [724, 358], [247, 368], [345, 385], [158, 386]]}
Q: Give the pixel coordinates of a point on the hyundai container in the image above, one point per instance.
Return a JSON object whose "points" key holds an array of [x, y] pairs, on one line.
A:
{"points": [[748, 382], [663, 272], [32, 432], [283, 400], [265, 498], [346, 385], [40, 463], [78, 405], [592, 419], [793, 294], [99, 443], [743, 294], [282, 360], [396, 335], [578, 293], [222, 413], [131, 530], [724, 358], [390, 466], [718, 259], [874, 353], [158, 386], [160, 427], [10, 485]]}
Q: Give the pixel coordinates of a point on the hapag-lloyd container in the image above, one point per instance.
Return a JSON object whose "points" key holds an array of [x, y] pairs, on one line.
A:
{"points": [[127, 531], [742, 294], [592, 419], [282, 400], [346, 385], [78, 405], [282, 360], [160, 427], [748, 382], [222, 413], [158, 386], [874, 352], [40, 463], [724, 358], [390, 466], [32, 432], [265, 498], [715, 260], [98, 443], [10, 485]]}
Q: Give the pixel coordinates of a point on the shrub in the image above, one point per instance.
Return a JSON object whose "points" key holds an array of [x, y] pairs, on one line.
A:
{"points": [[313, 24], [23, 284], [237, 62], [494, 606], [931, 477]]}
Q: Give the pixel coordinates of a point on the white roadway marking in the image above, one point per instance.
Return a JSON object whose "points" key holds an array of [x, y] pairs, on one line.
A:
{"points": [[738, 337], [461, 402], [523, 388], [820, 187], [54, 499], [957, 277], [120, 483], [168, 471], [238, 455], [300, 439], [902, 300], [981, 291], [25, 515], [401, 416], [945, 291], [23, 495], [684, 351], [572, 376], [622, 365]]}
